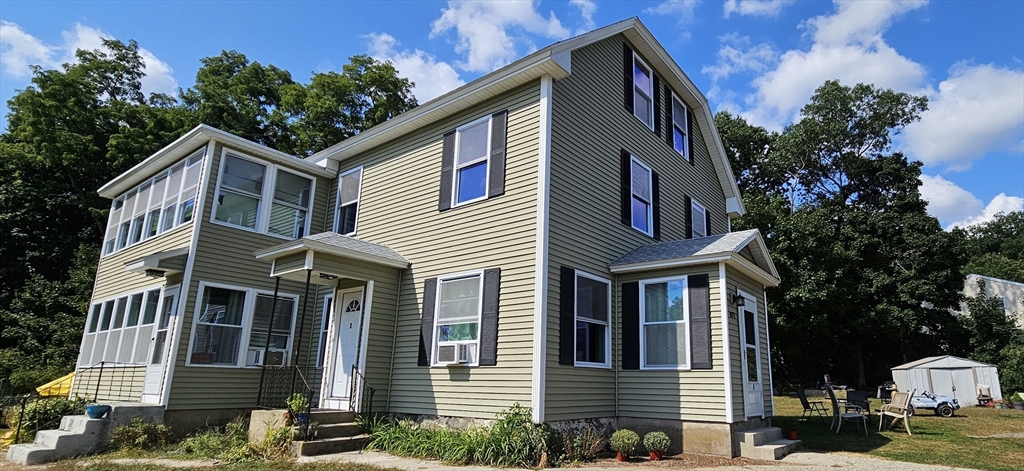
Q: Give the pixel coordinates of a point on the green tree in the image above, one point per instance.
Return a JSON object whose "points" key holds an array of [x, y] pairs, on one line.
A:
{"points": [[997, 247], [992, 336]]}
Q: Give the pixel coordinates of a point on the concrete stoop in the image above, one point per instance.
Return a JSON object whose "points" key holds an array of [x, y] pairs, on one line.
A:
{"points": [[764, 443], [78, 435], [336, 433]]}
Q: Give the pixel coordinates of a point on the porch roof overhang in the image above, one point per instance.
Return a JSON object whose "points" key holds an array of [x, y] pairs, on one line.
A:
{"points": [[718, 248], [294, 258], [160, 264]]}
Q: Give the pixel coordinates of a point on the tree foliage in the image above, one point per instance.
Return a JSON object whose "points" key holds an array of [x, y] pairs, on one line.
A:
{"points": [[997, 247], [78, 126], [868, 277], [991, 336]]}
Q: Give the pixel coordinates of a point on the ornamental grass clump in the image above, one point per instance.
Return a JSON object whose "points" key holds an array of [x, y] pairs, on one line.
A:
{"points": [[624, 443]]}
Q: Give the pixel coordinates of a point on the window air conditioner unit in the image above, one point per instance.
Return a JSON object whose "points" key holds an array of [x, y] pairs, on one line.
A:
{"points": [[453, 354], [254, 357]]}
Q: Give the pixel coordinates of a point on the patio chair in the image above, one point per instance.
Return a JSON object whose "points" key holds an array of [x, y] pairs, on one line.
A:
{"points": [[984, 395], [812, 407], [898, 408], [838, 417], [858, 401]]}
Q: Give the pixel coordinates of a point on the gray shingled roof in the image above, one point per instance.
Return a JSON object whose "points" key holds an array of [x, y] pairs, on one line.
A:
{"points": [[344, 243], [676, 249]]}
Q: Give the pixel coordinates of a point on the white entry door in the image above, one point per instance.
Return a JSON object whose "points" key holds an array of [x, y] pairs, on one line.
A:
{"points": [[753, 397], [159, 347], [350, 314]]}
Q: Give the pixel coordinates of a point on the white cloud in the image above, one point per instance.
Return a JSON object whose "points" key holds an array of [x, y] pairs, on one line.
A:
{"points": [[18, 50], [848, 46], [431, 78], [956, 206], [770, 8], [977, 109], [488, 32], [1001, 203], [683, 8], [587, 9], [731, 59]]}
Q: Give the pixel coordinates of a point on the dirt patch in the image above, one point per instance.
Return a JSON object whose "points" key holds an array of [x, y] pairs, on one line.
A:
{"points": [[680, 461]]}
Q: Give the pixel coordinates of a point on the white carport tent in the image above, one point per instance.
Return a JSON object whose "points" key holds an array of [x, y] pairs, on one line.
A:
{"points": [[948, 376]]}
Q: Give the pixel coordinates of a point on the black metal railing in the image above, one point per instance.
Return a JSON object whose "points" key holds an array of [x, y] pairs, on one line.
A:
{"points": [[30, 413], [110, 381], [278, 384], [360, 389]]}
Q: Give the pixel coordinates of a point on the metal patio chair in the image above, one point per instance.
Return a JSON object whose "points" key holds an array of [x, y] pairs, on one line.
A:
{"points": [[838, 416], [812, 407]]}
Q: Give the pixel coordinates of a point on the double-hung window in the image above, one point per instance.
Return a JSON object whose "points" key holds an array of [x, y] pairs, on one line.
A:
{"points": [[280, 325], [347, 210], [665, 326], [247, 186], [218, 331], [290, 206], [472, 149], [325, 322], [698, 218], [680, 139], [641, 204], [643, 92], [241, 191], [593, 321], [457, 322], [233, 325]]}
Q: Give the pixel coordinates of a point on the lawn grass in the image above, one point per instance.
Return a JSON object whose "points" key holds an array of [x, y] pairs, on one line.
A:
{"points": [[936, 440], [273, 465]]}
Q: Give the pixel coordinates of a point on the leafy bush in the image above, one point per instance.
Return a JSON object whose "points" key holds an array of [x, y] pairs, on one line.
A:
{"points": [[576, 446], [656, 441], [275, 445], [45, 414], [625, 441], [215, 442], [140, 435]]}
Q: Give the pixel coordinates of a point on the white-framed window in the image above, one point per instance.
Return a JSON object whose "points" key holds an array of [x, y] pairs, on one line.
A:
{"points": [[593, 320], [231, 324], [642, 202], [643, 92], [457, 314], [680, 141], [325, 322], [698, 219], [150, 208], [346, 210], [262, 197], [664, 324], [472, 161], [119, 329]]}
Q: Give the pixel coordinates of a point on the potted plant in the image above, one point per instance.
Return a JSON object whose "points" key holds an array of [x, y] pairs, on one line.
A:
{"points": [[656, 443], [791, 434], [298, 405], [1018, 401], [624, 443]]}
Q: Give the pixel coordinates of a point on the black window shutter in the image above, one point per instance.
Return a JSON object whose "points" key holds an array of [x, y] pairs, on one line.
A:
{"points": [[688, 211], [427, 322], [567, 317], [625, 188], [707, 222], [489, 318], [670, 129], [689, 135], [631, 326], [496, 178], [627, 69], [700, 322], [657, 105], [655, 206], [444, 198]]}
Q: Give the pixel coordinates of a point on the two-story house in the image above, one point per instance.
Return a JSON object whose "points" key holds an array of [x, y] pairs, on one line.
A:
{"points": [[555, 234]]}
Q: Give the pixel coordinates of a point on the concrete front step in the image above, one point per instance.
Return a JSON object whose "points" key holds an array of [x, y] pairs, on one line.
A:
{"points": [[330, 445], [758, 436], [764, 443], [31, 453], [337, 431], [775, 450], [323, 417], [83, 424]]}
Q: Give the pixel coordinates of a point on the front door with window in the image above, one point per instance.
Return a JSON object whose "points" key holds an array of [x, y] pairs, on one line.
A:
{"points": [[156, 360], [753, 398], [349, 312]]}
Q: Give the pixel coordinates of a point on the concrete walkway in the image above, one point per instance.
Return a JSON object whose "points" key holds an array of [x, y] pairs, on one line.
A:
{"points": [[800, 461]]}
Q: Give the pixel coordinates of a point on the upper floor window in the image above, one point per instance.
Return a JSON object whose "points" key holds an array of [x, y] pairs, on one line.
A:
{"points": [[699, 219], [680, 128], [155, 206], [246, 185], [347, 210], [641, 189], [643, 92], [473, 162], [593, 320]]}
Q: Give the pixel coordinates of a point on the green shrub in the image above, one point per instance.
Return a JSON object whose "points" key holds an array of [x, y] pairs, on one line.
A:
{"points": [[140, 435], [576, 446], [215, 442], [657, 441], [276, 444], [625, 441], [45, 414]]}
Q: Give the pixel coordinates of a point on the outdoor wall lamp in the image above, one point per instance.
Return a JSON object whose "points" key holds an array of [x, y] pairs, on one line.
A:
{"points": [[155, 273], [738, 300], [328, 276]]}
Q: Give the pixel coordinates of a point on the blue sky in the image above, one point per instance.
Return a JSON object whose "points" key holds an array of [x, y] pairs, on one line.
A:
{"points": [[761, 59]]}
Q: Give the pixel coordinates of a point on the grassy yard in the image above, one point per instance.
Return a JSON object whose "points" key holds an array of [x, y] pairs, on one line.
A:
{"points": [[276, 465], [936, 440]]}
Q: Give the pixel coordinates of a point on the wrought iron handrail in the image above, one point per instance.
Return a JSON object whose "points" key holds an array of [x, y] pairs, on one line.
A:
{"points": [[359, 381], [122, 393], [277, 385]]}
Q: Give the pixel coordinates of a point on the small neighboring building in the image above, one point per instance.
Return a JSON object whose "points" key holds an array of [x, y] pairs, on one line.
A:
{"points": [[948, 376], [1010, 292]]}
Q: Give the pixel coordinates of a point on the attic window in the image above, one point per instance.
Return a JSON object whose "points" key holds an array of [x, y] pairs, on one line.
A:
{"points": [[643, 92]]}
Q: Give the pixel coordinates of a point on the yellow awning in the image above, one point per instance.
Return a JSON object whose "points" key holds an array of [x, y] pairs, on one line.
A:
{"points": [[58, 387]]}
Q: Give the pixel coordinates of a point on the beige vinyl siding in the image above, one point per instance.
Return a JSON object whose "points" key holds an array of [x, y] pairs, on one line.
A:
{"points": [[224, 254], [686, 395], [290, 263], [736, 280], [398, 208], [115, 383], [589, 127], [111, 277]]}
